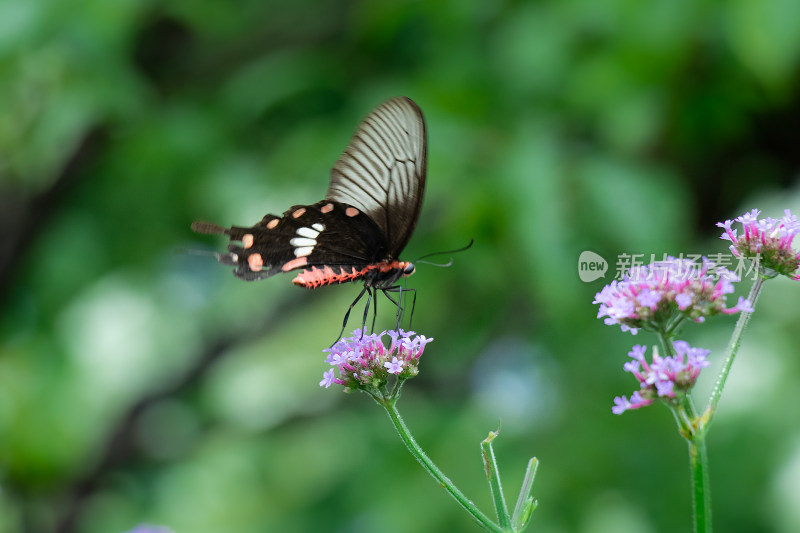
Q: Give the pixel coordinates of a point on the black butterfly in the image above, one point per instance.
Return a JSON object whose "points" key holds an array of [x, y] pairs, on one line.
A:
{"points": [[358, 231]]}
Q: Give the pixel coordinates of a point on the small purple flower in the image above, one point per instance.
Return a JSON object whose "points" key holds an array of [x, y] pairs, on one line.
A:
{"points": [[652, 296], [395, 366], [336, 359], [667, 378], [744, 305], [419, 344], [364, 361], [328, 379], [622, 404], [648, 298], [664, 388], [683, 301], [768, 241]]}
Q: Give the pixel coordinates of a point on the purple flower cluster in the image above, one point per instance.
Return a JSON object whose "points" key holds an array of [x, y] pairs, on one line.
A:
{"points": [[364, 360], [768, 240], [651, 296], [666, 377]]}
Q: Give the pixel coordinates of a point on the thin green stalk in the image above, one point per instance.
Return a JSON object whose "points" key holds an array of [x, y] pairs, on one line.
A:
{"points": [[666, 344], [493, 476], [526, 503], [675, 325], [733, 348], [432, 469], [694, 429], [701, 497], [686, 418]]}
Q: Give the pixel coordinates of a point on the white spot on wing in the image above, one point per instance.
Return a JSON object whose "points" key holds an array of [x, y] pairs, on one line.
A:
{"points": [[303, 251], [308, 232], [298, 242], [317, 226]]}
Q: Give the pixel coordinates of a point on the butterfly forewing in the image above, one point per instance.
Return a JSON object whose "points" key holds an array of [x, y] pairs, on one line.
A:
{"points": [[318, 235], [382, 171]]}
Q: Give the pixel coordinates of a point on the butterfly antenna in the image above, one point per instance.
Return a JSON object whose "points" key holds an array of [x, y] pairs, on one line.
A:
{"points": [[467, 247], [431, 263]]}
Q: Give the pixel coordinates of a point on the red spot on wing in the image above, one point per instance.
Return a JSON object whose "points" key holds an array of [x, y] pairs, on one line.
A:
{"points": [[256, 262], [247, 240], [351, 211], [295, 263], [272, 223], [327, 208], [299, 212]]}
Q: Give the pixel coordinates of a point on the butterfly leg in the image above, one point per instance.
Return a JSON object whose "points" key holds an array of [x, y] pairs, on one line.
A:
{"points": [[374, 309], [413, 305], [349, 309], [396, 303], [370, 299], [400, 308]]}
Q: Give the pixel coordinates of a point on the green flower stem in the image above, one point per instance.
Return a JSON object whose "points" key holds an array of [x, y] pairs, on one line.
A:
{"points": [[698, 467], [689, 428], [433, 470], [694, 428], [733, 347], [493, 475], [701, 497], [526, 503], [686, 418], [675, 325]]}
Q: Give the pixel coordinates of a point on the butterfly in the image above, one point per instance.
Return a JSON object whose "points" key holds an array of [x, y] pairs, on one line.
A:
{"points": [[359, 230]]}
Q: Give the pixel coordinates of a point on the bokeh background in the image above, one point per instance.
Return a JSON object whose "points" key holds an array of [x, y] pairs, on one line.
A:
{"points": [[140, 383]]}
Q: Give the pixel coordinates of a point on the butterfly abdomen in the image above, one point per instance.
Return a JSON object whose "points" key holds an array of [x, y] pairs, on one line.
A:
{"points": [[381, 274]]}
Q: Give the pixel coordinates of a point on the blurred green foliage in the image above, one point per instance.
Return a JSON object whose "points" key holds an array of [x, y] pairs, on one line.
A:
{"points": [[139, 383]]}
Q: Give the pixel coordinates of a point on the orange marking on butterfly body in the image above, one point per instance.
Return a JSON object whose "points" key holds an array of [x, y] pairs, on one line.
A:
{"points": [[394, 265], [256, 262], [295, 263], [316, 277], [299, 212], [247, 240], [272, 223]]}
